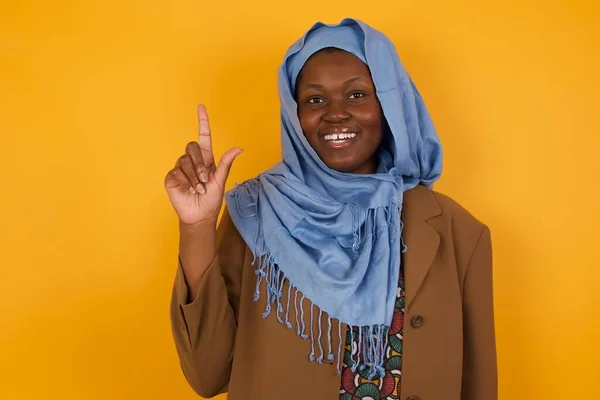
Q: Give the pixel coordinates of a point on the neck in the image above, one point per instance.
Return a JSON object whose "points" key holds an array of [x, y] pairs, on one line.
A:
{"points": [[369, 167]]}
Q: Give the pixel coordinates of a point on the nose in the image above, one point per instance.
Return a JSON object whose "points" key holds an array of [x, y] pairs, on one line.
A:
{"points": [[336, 112]]}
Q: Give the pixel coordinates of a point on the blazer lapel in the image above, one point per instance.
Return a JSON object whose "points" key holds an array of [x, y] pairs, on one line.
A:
{"points": [[421, 239]]}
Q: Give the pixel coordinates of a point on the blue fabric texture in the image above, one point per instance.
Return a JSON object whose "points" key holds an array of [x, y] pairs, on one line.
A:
{"points": [[336, 238]]}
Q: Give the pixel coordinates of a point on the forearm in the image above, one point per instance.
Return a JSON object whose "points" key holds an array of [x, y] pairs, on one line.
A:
{"points": [[204, 331], [197, 250]]}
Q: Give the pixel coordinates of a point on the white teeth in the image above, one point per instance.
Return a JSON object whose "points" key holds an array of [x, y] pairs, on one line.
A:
{"points": [[340, 136]]}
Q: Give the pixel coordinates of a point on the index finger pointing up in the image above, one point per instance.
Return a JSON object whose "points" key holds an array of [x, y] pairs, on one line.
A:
{"points": [[204, 138]]}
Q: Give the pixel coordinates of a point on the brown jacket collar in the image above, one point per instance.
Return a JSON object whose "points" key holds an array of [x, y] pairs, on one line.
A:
{"points": [[421, 239]]}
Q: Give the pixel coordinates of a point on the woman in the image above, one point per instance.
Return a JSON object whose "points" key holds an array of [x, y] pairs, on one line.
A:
{"points": [[338, 245]]}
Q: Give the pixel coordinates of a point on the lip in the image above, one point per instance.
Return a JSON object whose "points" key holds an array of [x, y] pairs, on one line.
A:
{"points": [[340, 144]]}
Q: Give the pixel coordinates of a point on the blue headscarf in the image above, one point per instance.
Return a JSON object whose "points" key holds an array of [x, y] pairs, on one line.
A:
{"points": [[336, 237]]}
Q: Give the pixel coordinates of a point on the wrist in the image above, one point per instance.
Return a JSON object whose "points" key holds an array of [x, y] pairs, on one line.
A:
{"points": [[198, 227]]}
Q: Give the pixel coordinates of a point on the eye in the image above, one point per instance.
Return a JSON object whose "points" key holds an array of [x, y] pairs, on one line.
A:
{"points": [[357, 95], [314, 100]]}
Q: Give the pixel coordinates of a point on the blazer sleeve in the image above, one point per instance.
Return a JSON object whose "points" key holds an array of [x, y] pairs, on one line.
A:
{"points": [[204, 329], [480, 377]]}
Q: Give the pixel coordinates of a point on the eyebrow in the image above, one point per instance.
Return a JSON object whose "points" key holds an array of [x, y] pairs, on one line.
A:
{"points": [[349, 81]]}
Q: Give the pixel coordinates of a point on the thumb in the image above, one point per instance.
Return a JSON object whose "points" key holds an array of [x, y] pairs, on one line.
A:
{"points": [[222, 171]]}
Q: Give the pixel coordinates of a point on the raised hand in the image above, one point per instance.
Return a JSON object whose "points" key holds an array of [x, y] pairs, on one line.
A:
{"points": [[196, 184]]}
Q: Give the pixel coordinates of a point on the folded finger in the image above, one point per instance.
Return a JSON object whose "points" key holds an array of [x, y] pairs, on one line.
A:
{"points": [[187, 166], [176, 177], [193, 150]]}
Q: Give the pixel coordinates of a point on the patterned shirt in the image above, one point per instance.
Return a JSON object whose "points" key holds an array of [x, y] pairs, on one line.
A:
{"points": [[357, 385]]}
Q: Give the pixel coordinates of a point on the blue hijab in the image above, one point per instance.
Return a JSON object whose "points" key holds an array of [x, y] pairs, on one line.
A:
{"points": [[336, 237]]}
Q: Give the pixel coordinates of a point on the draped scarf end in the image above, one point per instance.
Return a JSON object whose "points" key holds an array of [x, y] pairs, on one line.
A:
{"points": [[368, 352]]}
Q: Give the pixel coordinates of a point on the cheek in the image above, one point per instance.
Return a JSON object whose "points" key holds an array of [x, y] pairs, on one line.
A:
{"points": [[372, 121], [308, 123]]}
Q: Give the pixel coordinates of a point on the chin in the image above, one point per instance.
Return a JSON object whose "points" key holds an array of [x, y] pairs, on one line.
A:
{"points": [[344, 167], [350, 163]]}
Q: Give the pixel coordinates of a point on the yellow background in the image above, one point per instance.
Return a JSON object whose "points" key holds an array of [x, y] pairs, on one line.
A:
{"points": [[98, 99]]}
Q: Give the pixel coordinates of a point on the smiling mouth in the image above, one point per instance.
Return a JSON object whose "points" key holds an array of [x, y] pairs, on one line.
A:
{"points": [[338, 137], [339, 140]]}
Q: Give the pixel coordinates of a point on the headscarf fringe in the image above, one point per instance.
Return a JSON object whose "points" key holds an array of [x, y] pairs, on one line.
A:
{"points": [[372, 339]]}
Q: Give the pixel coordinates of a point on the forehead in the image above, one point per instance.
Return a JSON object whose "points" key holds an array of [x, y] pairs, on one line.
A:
{"points": [[332, 62]]}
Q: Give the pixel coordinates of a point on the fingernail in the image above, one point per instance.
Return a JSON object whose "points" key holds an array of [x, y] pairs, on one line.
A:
{"points": [[192, 191], [200, 189], [203, 177]]}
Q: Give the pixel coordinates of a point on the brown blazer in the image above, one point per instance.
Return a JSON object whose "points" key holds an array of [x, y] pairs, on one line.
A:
{"points": [[225, 345]]}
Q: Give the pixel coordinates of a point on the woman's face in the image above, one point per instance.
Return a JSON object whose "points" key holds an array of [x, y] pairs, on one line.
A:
{"points": [[339, 111]]}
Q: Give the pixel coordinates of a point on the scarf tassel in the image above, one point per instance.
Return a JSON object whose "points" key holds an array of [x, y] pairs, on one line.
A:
{"points": [[370, 349], [367, 352]]}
